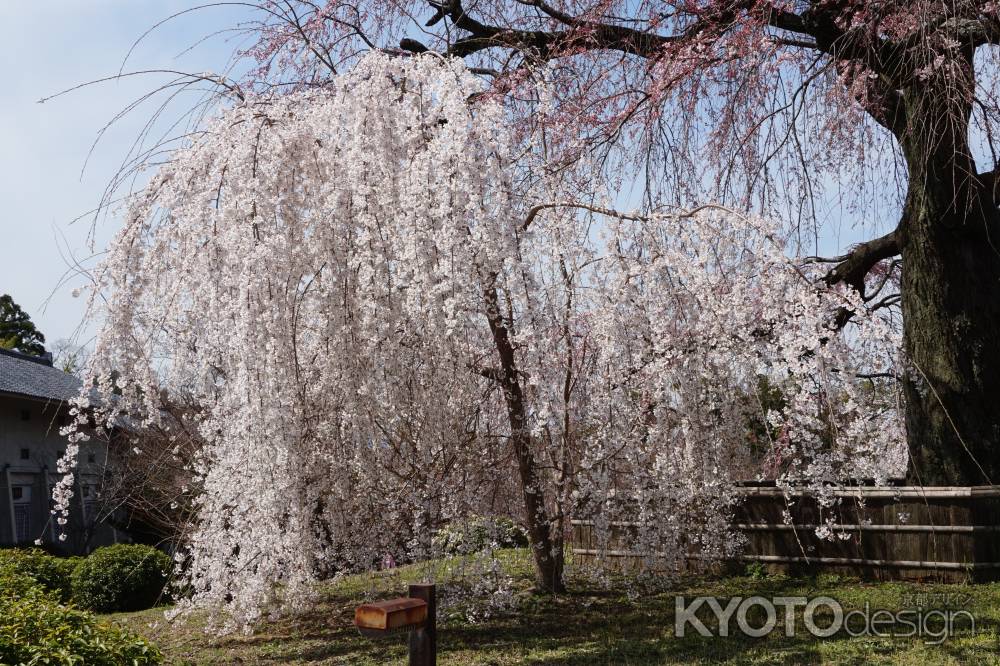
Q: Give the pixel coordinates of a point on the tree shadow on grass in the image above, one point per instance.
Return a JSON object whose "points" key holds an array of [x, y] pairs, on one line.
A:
{"points": [[595, 627]]}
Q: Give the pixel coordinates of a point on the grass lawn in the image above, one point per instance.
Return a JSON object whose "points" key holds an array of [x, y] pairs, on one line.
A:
{"points": [[591, 626]]}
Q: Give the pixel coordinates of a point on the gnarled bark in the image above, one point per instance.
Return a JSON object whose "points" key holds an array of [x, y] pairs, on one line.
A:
{"points": [[950, 247]]}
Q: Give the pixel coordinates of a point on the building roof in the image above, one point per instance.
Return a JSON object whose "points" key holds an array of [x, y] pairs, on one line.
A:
{"points": [[34, 376]]}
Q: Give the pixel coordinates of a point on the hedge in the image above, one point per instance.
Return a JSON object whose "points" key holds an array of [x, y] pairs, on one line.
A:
{"points": [[477, 533], [123, 577], [36, 629], [50, 572]]}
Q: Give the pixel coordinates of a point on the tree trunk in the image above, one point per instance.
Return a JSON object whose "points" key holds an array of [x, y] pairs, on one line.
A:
{"points": [[951, 314], [950, 245], [546, 547]]}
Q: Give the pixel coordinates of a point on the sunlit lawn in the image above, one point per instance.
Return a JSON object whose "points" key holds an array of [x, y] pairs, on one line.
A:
{"points": [[587, 626]]}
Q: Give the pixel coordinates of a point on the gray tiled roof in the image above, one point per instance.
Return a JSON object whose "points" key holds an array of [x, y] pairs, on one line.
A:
{"points": [[34, 376]]}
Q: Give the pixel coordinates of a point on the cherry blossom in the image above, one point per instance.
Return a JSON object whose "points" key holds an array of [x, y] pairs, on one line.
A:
{"points": [[392, 312]]}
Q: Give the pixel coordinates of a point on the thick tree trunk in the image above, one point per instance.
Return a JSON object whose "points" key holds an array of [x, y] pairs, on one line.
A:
{"points": [[546, 546], [951, 314], [950, 245]]}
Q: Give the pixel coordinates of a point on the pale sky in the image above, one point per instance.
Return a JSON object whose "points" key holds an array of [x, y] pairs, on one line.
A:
{"points": [[50, 46]]}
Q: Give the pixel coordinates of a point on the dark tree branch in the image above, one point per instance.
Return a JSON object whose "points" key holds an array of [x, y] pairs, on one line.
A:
{"points": [[974, 32], [579, 33], [818, 23], [535, 210], [547, 560], [489, 373], [853, 267], [412, 45], [888, 301], [990, 181]]}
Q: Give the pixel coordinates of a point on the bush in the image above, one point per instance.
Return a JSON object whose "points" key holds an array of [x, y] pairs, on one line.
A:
{"points": [[756, 571], [13, 583], [123, 577], [36, 629], [50, 572], [477, 533]]}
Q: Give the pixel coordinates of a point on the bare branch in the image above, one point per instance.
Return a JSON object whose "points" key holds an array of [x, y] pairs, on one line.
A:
{"points": [[854, 266], [535, 210]]}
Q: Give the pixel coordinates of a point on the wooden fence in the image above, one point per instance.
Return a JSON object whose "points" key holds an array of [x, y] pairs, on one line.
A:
{"points": [[906, 532]]}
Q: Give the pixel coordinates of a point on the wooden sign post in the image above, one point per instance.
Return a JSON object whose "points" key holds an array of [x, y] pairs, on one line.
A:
{"points": [[423, 641], [416, 614]]}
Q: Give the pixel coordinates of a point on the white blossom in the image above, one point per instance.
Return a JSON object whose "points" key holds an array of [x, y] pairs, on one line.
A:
{"points": [[313, 270]]}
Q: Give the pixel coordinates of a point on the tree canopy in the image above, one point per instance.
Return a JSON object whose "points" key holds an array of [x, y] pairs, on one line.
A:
{"points": [[871, 122], [17, 331]]}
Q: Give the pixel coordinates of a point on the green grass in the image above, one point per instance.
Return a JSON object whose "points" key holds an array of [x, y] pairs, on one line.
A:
{"points": [[588, 625]]}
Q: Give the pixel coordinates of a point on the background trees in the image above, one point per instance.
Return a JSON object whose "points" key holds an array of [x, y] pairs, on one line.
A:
{"points": [[17, 331], [69, 356]]}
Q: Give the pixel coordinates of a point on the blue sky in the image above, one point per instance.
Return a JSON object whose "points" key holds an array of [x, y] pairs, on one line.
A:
{"points": [[50, 46]]}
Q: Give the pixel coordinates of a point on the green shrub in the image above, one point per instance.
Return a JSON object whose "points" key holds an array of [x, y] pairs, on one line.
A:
{"points": [[123, 577], [36, 629], [756, 571], [477, 533], [14, 583], [50, 572]]}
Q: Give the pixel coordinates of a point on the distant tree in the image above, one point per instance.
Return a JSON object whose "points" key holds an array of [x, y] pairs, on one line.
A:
{"points": [[17, 331], [68, 356]]}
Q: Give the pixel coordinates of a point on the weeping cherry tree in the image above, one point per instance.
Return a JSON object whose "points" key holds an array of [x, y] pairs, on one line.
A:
{"points": [[389, 313]]}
